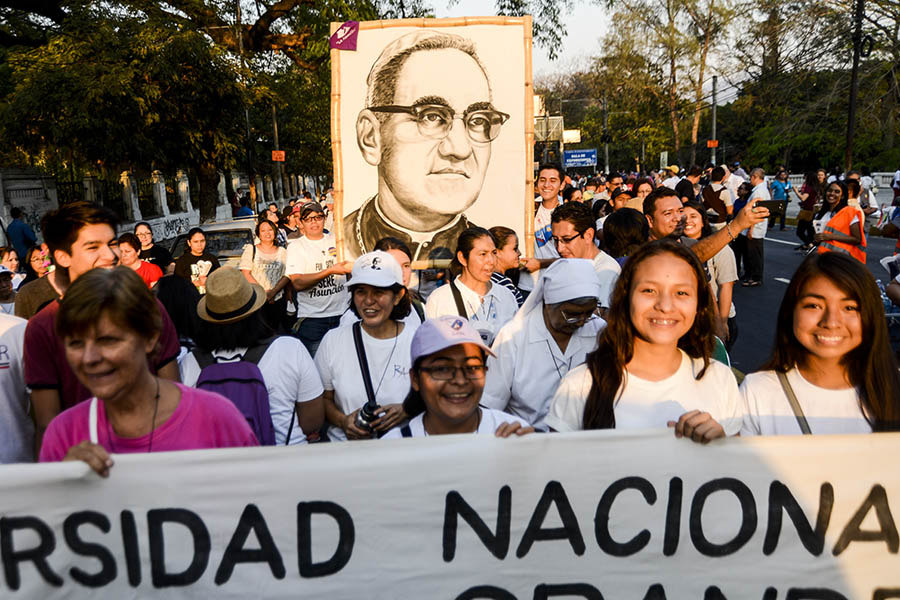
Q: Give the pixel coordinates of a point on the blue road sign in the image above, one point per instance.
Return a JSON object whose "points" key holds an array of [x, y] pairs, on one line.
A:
{"points": [[580, 158]]}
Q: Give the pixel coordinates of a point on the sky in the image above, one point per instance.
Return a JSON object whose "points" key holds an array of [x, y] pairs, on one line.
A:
{"points": [[584, 26]]}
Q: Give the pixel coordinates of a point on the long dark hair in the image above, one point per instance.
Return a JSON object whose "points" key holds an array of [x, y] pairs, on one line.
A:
{"points": [[615, 346], [705, 228], [841, 203], [871, 367], [414, 404]]}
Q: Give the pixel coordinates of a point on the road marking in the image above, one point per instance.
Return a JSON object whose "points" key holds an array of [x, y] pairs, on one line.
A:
{"points": [[782, 280], [768, 239]]}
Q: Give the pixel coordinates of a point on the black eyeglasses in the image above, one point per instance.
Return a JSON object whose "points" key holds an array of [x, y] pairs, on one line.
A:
{"points": [[313, 218], [434, 120], [567, 240], [448, 372]]}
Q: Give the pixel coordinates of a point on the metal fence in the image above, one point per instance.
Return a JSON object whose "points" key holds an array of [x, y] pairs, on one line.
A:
{"points": [[145, 198], [69, 191]]}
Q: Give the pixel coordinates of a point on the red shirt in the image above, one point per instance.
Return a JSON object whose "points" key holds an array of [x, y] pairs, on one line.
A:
{"points": [[149, 272], [46, 366]]}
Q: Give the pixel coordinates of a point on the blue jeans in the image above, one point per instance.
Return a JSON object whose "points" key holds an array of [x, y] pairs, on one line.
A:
{"points": [[313, 329]]}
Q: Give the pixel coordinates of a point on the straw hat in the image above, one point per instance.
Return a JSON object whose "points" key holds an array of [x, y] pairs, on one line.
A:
{"points": [[229, 297]]}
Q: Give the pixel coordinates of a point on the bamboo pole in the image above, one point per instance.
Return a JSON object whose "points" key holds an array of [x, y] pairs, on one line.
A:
{"points": [[529, 144], [336, 150]]}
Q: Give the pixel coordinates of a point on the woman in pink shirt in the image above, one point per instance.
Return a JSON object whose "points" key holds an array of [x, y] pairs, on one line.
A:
{"points": [[109, 323]]}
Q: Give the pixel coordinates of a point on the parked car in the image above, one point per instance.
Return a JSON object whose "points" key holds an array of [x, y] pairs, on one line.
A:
{"points": [[224, 239]]}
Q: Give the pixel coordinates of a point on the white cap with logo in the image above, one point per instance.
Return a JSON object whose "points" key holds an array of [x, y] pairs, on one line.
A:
{"points": [[376, 268], [441, 333]]}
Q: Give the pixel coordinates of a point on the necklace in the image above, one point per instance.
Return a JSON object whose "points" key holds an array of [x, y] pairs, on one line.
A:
{"points": [[109, 430], [390, 356]]}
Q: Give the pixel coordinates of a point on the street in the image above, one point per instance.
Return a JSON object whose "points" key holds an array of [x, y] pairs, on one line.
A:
{"points": [[757, 308]]}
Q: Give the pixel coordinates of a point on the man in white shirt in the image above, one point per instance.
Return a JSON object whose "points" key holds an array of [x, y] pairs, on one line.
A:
{"points": [[673, 179], [549, 185], [551, 334], [573, 236], [319, 279], [756, 234]]}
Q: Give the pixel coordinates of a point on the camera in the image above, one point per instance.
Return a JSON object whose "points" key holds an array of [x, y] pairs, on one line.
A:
{"points": [[368, 414]]}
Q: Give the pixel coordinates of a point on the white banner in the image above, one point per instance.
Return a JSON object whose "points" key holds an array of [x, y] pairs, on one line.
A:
{"points": [[590, 515]]}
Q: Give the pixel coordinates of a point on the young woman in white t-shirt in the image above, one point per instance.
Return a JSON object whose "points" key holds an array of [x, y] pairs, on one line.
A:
{"points": [[379, 299], [487, 306], [447, 381], [831, 345], [652, 366]]}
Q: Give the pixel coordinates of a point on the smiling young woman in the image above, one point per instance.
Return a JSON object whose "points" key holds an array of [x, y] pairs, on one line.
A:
{"points": [[831, 353], [381, 302], [652, 366]]}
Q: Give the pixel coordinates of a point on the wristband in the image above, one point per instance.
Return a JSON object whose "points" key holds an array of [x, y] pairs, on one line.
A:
{"points": [[728, 228]]}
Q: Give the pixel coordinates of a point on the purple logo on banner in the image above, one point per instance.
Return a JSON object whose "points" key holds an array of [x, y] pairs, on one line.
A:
{"points": [[345, 37]]}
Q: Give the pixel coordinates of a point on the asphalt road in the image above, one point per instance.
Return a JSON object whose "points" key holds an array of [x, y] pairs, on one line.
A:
{"points": [[757, 307]]}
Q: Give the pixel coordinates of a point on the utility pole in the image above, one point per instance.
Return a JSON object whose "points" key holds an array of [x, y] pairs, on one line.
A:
{"points": [[605, 136], [713, 135], [279, 182], [240, 32], [854, 82]]}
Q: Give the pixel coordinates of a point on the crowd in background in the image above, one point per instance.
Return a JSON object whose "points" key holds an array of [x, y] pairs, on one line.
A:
{"points": [[622, 317]]}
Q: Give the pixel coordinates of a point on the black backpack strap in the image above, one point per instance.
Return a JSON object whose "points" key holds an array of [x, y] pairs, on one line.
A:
{"points": [[255, 354], [363, 364], [457, 297], [203, 358], [405, 431], [417, 306], [287, 440]]}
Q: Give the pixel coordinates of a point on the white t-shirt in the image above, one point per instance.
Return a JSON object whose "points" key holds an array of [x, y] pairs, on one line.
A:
{"points": [[490, 420], [529, 365], [16, 427], [266, 269], [607, 273], [767, 410], [487, 314], [671, 182], [290, 377], [389, 363], [652, 404], [329, 297], [543, 245], [722, 268], [760, 192]]}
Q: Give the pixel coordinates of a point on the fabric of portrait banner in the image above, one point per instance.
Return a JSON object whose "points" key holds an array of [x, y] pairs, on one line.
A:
{"points": [[581, 515]]}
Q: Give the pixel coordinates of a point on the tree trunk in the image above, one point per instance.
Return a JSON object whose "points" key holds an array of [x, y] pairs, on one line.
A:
{"points": [[698, 90], [208, 177]]}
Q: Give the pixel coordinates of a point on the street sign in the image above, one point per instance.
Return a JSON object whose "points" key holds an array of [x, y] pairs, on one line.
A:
{"points": [[580, 158], [571, 136], [278, 155], [712, 143], [663, 160]]}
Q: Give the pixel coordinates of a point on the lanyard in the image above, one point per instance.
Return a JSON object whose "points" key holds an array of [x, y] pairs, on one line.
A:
{"points": [[567, 365]]}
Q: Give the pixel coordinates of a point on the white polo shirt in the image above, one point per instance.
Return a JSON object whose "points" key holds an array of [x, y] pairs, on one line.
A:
{"points": [[530, 365], [487, 314], [607, 273]]}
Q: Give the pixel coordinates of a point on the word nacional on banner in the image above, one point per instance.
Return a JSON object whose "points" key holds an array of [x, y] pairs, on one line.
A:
{"points": [[591, 515]]}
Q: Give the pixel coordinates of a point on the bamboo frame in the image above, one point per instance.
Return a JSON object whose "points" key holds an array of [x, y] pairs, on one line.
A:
{"points": [[338, 182]]}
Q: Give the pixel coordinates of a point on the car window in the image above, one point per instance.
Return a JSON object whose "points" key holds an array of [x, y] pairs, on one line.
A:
{"points": [[226, 242]]}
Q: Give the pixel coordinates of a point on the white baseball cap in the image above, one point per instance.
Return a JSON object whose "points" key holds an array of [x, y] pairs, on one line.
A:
{"points": [[376, 268], [441, 333]]}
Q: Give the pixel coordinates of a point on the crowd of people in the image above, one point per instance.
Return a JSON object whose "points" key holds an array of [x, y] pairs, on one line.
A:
{"points": [[622, 317]]}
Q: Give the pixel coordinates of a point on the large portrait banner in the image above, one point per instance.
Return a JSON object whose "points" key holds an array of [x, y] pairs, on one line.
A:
{"points": [[431, 130]]}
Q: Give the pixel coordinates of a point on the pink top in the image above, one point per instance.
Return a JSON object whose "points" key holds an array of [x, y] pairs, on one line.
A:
{"points": [[201, 420]]}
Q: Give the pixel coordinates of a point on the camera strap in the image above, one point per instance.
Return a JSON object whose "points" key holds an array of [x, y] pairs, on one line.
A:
{"points": [[457, 297], [364, 365]]}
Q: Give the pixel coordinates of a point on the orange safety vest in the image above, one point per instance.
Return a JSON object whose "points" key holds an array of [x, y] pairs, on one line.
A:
{"points": [[840, 223]]}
